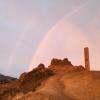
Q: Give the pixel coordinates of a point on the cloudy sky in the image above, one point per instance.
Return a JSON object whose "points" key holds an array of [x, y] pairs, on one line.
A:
{"points": [[35, 31]]}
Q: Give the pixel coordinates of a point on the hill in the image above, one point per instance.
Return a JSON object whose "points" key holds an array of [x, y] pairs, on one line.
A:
{"points": [[6, 79], [68, 86], [59, 81]]}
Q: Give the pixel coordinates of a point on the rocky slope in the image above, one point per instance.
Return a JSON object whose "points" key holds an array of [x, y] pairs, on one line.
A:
{"points": [[27, 82], [59, 81], [68, 86]]}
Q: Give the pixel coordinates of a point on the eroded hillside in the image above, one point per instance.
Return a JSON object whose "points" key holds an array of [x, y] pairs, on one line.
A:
{"points": [[59, 81]]}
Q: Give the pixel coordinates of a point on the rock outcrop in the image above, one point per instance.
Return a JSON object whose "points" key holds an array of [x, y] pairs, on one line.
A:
{"points": [[56, 62], [33, 79], [61, 66]]}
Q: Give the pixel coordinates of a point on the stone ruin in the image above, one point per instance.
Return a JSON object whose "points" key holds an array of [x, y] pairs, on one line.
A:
{"points": [[86, 58]]}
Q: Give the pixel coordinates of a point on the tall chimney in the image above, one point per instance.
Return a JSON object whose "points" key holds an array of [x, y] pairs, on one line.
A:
{"points": [[86, 57]]}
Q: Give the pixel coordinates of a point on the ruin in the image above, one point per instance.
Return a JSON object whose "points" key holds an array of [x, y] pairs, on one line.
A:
{"points": [[86, 57]]}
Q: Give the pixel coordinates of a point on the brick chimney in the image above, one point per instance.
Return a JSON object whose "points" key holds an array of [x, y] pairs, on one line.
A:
{"points": [[86, 57]]}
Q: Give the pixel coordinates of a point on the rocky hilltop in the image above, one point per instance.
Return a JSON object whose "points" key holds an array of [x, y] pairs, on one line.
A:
{"points": [[62, 66], [61, 80]]}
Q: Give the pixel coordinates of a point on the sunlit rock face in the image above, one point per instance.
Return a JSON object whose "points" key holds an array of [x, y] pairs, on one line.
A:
{"points": [[61, 66], [60, 62]]}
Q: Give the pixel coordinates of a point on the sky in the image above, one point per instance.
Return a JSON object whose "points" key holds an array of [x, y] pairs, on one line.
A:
{"points": [[35, 31]]}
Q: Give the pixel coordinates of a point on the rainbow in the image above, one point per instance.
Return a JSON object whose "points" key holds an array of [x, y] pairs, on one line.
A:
{"points": [[62, 32]]}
